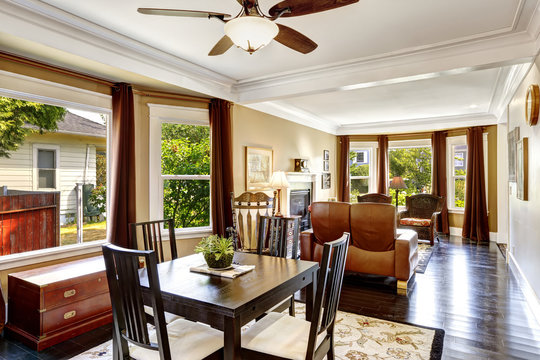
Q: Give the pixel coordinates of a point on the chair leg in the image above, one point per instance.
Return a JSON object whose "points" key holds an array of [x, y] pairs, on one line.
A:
{"points": [[291, 307]]}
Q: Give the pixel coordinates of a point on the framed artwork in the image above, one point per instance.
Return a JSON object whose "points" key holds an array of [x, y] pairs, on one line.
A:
{"points": [[326, 181], [326, 155], [513, 138], [326, 165], [522, 152], [259, 168]]}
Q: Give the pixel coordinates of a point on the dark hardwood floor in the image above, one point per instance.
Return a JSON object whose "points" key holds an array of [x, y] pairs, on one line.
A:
{"points": [[467, 290]]}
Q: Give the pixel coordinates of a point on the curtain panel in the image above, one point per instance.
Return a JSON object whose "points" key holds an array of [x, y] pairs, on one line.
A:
{"points": [[122, 178], [475, 219], [438, 181], [221, 176], [383, 165], [344, 184]]}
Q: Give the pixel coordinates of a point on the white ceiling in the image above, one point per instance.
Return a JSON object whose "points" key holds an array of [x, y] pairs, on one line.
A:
{"points": [[380, 63]]}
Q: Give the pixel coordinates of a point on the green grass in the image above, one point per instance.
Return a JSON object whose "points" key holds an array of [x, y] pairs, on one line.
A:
{"points": [[91, 232]]}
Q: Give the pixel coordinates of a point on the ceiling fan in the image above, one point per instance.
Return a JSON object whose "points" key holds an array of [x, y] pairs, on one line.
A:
{"points": [[252, 30]]}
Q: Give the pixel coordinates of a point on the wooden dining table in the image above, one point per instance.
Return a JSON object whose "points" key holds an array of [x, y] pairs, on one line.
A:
{"points": [[228, 304]]}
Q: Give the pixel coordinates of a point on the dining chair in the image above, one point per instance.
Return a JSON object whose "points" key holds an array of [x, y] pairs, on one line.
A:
{"points": [[181, 339], [273, 236], [302, 339], [152, 236], [153, 240]]}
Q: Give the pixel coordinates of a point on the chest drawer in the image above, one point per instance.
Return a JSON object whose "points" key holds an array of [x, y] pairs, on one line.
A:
{"points": [[75, 292]]}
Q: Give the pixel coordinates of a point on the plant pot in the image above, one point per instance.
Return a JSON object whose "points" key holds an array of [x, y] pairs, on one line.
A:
{"points": [[224, 261]]}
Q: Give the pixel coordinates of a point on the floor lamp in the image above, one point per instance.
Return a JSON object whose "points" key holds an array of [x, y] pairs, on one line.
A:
{"points": [[278, 182], [397, 183]]}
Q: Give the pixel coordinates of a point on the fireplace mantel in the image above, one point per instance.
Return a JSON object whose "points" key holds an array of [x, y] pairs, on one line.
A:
{"points": [[301, 180]]}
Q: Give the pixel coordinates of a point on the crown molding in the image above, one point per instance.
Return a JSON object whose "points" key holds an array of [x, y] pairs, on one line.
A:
{"points": [[47, 25], [414, 125], [506, 86]]}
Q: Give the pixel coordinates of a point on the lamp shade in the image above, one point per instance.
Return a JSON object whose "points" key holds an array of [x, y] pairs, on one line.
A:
{"points": [[279, 180], [397, 183], [251, 32]]}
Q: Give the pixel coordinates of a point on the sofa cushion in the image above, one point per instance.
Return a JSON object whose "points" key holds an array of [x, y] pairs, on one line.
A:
{"points": [[415, 222], [370, 262], [329, 219], [373, 226]]}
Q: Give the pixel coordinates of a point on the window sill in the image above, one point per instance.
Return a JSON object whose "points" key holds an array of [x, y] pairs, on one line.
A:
{"points": [[192, 234], [456, 211], [38, 256]]}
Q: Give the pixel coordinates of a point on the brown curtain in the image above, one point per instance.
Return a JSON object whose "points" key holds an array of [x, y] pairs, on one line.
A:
{"points": [[222, 167], [383, 165], [344, 185], [438, 177], [475, 220], [122, 178]]}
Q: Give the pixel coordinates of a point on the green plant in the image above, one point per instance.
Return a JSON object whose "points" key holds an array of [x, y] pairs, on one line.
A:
{"points": [[217, 250], [98, 198]]}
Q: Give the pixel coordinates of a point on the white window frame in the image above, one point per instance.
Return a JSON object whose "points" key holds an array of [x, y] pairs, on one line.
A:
{"points": [[160, 114], [451, 142], [372, 148], [35, 169], [16, 86]]}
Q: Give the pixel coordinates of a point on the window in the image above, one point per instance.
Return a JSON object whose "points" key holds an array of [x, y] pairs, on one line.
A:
{"points": [[410, 159], [46, 160], [180, 185], [361, 168]]}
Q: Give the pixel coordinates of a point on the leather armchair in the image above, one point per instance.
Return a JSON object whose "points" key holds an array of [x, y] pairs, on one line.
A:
{"points": [[421, 215], [376, 246]]}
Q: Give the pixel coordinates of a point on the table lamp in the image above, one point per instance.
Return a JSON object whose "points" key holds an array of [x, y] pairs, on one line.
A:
{"points": [[278, 182], [397, 183]]}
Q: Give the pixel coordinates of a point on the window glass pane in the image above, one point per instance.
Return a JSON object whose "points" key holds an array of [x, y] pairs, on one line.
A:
{"points": [[185, 149], [187, 202], [46, 159], [459, 193], [47, 179], [414, 166], [359, 162], [460, 160], [359, 187]]}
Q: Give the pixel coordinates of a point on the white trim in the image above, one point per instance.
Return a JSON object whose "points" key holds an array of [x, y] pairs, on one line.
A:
{"points": [[372, 147], [530, 295], [160, 114], [405, 144], [493, 237], [455, 231], [35, 170], [50, 254], [451, 142]]}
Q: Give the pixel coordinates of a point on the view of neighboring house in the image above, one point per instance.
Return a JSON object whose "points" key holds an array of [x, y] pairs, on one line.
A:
{"points": [[57, 161]]}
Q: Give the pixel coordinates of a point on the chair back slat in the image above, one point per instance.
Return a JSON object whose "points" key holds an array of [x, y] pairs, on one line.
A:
{"points": [[129, 317], [273, 236], [329, 285], [153, 238]]}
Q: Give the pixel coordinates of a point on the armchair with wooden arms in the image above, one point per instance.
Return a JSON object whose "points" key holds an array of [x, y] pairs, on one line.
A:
{"points": [[247, 209], [421, 215]]}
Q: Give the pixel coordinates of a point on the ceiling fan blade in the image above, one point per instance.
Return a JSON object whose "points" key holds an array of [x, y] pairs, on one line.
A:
{"points": [[184, 13], [294, 40], [305, 7], [222, 46]]}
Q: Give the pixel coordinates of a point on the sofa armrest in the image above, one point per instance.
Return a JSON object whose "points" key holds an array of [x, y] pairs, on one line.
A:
{"points": [[403, 214], [406, 253], [307, 238]]}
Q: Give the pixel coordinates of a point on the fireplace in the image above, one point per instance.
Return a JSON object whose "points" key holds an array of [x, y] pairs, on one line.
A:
{"points": [[299, 201]]}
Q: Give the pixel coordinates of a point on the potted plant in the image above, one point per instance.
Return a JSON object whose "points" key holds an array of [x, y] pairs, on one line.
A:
{"points": [[217, 250]]}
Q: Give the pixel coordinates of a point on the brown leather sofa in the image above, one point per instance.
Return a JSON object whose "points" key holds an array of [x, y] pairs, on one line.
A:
{"points": [[375, 247]]}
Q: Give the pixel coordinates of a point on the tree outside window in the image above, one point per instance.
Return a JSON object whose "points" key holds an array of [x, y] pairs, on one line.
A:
{"points": [[359, 168], [413, 164]]}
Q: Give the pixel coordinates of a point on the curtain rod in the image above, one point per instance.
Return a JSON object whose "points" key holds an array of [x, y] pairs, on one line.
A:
{"points": [[171, 96], [56, 69]]}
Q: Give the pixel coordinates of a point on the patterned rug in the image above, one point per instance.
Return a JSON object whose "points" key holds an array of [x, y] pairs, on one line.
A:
{"points": [[357, 337], [424, 254]]}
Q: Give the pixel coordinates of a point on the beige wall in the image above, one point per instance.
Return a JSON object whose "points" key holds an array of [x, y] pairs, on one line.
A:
{"points": [[288, 140], [524, 224]]}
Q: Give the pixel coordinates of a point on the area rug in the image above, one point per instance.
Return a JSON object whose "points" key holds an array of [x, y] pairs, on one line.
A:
{"points": [[424, 254], [357, 337]]}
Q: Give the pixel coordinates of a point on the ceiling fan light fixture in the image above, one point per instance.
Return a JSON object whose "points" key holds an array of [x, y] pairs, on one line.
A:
{"points": [[251, 32]]}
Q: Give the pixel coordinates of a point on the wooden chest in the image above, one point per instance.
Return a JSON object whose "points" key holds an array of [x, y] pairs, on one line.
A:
{"points": [[51, 304]]}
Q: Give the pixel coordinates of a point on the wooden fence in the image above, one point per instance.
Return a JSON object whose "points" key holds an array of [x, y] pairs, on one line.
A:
{"points": [[29, 220]]}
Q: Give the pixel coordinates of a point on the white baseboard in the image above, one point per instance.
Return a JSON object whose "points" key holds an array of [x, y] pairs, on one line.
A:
{"points": [[530, 296], [493, 236]]}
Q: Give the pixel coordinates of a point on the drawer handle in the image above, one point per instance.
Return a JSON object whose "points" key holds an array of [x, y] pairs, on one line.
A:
{"points": [[69, 293], [70, 314]]}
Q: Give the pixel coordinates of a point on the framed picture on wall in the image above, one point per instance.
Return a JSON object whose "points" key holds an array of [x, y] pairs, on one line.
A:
{"points": [[326, 181], [522, 152], [513, 138], [326, 165], [259, 168], [326, 155]]}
